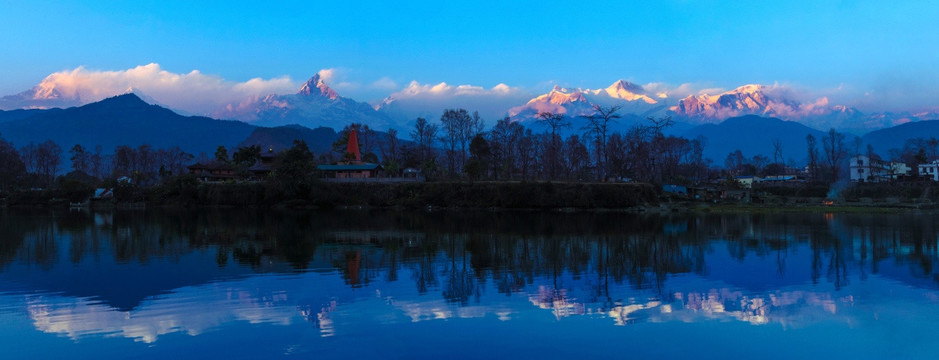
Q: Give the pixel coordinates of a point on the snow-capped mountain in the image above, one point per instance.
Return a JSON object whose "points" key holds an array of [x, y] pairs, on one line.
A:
{"points": [[43, 96], [314, 105], [777, 102], [631, 98], [746, 100]]}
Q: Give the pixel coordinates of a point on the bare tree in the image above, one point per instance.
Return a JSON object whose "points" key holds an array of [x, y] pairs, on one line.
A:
{"points": [[778, 151], [48, 158], [424, 134], [834, 152], [598, 126], [389, 152], [813, 156], [457, 125], [555, 122]]}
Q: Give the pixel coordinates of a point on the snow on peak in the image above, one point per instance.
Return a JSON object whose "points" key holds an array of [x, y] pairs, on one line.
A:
{"points": [[316, 86], [625, 90]]}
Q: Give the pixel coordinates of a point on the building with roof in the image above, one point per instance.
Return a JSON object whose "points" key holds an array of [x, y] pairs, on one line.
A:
{"points": [[352, 168], [930, 170], [212, 171]]}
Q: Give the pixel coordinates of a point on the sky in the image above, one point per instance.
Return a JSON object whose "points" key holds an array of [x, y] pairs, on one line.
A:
{"points": [[874, 55]]}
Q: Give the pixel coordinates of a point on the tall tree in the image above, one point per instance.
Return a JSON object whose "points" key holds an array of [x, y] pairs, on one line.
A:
{"points": [[552, 151], [80, 158], [480, 153], [455, 124], [811, 143], [598, 126], [48, 158], [390, 152], [12, 168], [424, 135], [834, 152], [221, 155]]}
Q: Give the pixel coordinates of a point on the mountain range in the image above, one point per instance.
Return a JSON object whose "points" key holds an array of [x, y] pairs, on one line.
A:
{"points": [[128, 120], [315, 104]]}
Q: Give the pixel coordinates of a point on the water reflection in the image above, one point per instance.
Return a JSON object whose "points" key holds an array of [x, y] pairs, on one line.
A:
{"points": [[144, 274]]}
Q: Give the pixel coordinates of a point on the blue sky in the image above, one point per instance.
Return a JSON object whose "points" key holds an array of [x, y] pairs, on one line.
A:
{"points": [[876, 54]]}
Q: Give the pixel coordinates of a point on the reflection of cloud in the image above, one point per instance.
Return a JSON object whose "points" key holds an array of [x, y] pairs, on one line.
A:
{"points": [[189, 310], [419, 311], [783, 307], [557, 301]]}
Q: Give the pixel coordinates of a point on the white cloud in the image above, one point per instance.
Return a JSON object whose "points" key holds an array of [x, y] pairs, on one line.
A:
{"points": [[194, 92], [384, 83], [429, 100]]}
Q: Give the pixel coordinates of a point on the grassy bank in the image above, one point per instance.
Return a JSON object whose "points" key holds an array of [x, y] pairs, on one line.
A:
{"points": [[508, 195]]}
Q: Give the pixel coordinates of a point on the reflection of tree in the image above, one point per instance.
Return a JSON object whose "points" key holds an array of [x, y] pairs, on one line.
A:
{"points": [[461, 281], [457, 253]]}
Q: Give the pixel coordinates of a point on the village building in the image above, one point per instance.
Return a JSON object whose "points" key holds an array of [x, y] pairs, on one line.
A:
{"points": [[746, 182], [930, 170], [212, 171], [865, 169], [265, 165], [352, 168]]}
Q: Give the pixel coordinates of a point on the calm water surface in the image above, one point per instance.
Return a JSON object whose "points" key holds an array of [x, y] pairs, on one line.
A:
{"points": [[384, 284]]}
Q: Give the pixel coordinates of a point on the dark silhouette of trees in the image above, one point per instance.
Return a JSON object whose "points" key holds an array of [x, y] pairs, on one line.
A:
{"points": [[552, 148], [293, 169], [834, 152], [12, 168], [598, 126], [424, 135], [813, 159], [221, 155], [459, 128], [480, 154], [80, 158]]}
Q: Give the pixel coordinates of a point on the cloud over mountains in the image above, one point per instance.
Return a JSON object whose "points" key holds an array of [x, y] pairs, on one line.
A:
{"points": [[259, 99], [193, 92]]}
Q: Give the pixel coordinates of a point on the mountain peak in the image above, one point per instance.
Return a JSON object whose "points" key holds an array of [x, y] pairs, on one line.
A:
{"points": [[625, 90], [316, 86]]}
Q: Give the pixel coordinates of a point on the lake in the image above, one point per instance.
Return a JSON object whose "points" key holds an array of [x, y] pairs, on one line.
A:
{"points": [[246, 284]]}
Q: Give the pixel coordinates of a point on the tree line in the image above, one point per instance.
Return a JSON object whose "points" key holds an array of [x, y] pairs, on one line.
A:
{"points": [[459, 147]]}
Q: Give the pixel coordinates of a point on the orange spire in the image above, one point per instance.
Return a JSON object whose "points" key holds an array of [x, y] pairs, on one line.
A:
{"points": [[353, 146]]}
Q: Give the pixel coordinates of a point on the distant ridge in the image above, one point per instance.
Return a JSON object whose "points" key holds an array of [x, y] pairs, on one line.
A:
{"points": [[754, 135], [123, 120]]}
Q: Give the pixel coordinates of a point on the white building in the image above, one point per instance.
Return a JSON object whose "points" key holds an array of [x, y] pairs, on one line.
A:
{"points": [[930, 170], [865, 169]]}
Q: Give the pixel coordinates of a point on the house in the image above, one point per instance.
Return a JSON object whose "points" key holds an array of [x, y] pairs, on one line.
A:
{"points": [[867, 169], [263, 167], [351, 171], [780, 179], [930, 170], [899, 170], [212, 171], [746, 182]]}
